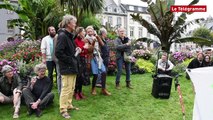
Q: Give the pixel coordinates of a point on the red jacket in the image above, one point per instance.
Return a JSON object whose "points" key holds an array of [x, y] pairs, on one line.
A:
{"points": [[80, 43]]}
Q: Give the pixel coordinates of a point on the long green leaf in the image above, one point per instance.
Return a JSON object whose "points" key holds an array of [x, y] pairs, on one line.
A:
{"points": [[151, 28], [198, 40]]}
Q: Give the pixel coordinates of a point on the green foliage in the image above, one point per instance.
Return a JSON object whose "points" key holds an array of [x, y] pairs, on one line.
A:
{"points": [[145, 64], [78, 8], [111, 35], [163, 25], [181, 67], [138, 101], [35, 16], [90, 20], [203, 33]]}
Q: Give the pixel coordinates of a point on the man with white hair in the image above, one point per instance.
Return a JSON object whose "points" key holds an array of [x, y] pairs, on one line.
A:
{"points": [[68, 63], [122, 44], [10, 89]]}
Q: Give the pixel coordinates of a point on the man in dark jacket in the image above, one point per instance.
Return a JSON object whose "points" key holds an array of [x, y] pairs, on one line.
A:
{"points": [[122, 44], [197, 62], [68, 63]]}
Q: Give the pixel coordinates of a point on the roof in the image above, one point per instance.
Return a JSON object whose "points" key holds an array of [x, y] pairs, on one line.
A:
{"points": [[134, 8]]}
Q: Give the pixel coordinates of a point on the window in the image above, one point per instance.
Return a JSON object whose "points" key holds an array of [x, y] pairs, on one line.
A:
{"points": [[10, 12], [110, 20], [119, 21], [131, 31], [131, 7], [140, 32], [109, 9], [140, 9], [10, 28]]}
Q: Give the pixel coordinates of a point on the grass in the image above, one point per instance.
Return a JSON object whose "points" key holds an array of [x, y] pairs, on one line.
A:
{"points": [[124, 104]]}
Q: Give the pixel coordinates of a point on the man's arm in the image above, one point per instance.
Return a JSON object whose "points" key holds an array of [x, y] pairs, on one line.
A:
{"points": [[171, 65], [43, 50], [121, 47]]}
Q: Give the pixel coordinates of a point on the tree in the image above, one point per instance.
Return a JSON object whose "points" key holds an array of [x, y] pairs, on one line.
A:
{"points": [[78, 8], [203, 32], [89, 19], [34, 16], [164, 26]]}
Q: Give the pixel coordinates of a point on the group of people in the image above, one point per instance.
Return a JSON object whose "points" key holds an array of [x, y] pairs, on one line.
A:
{"points": [[202, 60], [165, 66], [73, 53]]}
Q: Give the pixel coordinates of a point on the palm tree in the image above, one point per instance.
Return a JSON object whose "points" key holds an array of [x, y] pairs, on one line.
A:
{"points": [[164, 26], [78, 8]]}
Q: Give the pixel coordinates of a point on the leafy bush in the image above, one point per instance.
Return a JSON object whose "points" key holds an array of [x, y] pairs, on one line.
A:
{"points": [[145, 64], [181, 67]]}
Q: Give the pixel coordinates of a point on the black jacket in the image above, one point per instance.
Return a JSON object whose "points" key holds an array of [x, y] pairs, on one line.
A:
{"points": [[65, 51], [6, 88], [121, 47], [195, 64]]}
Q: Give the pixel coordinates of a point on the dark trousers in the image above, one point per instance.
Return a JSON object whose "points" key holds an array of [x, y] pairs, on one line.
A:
{"points": [[164, 72], [82, 76], [50, 67], [30, 98], [103, 80], [120, 63]]}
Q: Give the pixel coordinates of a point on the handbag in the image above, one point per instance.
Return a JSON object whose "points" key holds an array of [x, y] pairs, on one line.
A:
{"points": [[127, 57]]}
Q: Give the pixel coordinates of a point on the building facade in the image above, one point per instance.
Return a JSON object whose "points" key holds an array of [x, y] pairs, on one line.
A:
{"points": [[6, 17], [119, 15]]}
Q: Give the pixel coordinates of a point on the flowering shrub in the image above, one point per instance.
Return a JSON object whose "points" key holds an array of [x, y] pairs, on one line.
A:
{"points": [[10, 45], [138, 45], [140, 53], [28, 51], [11, 63], [179, 57], [7, 49], [145, 64], [112, 63]]}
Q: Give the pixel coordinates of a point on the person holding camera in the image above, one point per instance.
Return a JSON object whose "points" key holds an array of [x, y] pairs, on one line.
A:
{"points": [[97, 62], [122, 44]]}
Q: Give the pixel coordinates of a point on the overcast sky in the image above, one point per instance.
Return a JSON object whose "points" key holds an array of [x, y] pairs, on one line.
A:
{"points": [[181, 2]]}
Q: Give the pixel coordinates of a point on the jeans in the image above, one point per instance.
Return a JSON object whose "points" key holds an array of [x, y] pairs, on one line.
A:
{"points": [[58, 78], [119, 63], [50, 67]]}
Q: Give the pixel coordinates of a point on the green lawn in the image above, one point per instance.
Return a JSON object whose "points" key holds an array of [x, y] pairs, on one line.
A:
{"points": [[124, 104]]}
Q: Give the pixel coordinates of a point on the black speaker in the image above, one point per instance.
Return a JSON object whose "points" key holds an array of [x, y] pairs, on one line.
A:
{"points": [[161, 86]]}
